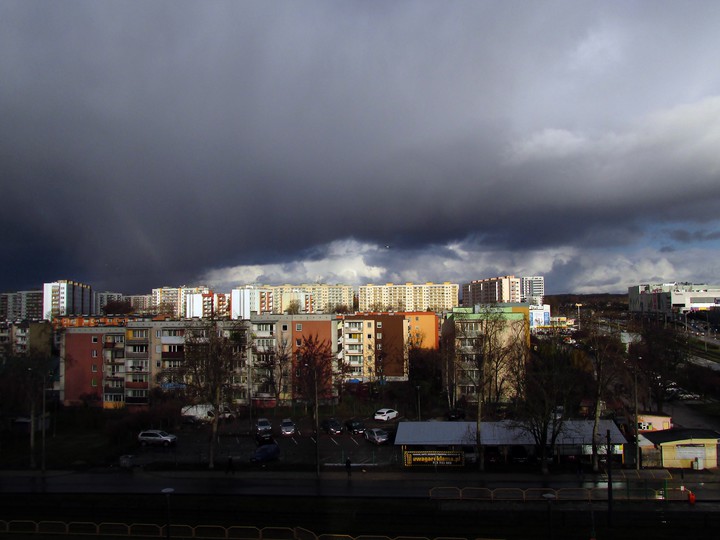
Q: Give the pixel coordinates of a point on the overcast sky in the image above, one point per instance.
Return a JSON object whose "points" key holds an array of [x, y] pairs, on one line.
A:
{"points": [[175, 143]]}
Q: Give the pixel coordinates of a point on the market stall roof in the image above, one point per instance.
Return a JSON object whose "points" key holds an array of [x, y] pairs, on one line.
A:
{"points": [[503, 433]]}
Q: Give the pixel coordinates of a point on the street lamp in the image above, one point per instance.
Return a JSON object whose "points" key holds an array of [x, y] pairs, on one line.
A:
{"points": [[317, 420], [418, 399], [578, 306], [637, 434]]}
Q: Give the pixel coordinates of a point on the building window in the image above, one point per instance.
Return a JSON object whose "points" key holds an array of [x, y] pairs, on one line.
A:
{"points": [[284, 328], [93, 354], [379, 335], [93, 382], [94, 368], [298, 327], [298, 342], [379, 324], [94, 339]]}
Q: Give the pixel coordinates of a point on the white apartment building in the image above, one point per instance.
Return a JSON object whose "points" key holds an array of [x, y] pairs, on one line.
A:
{"points": [[325, 298], [504, 289], [206, 305], [66, 297], [311, 298], [408, 297], [174, 299], [249, 299], [532, 290]]}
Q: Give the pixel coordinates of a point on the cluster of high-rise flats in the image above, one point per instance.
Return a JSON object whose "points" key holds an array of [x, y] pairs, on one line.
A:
{"points": [[116, 360], [67, 297]]}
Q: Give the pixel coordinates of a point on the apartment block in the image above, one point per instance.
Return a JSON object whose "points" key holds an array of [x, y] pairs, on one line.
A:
{"points": [[467, 330], [505, 289], [21, 306], [66, 297], [436, 297], [532, 290], [25, 337], [141, 304], [101, 299], [207, 305]]}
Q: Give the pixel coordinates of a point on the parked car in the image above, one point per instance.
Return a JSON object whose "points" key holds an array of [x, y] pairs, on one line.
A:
{"points": [[356, 427], [331, 426], [262, 426], [385, 414], [376, 435], [287, 427], [156, 437], [270, 451]]}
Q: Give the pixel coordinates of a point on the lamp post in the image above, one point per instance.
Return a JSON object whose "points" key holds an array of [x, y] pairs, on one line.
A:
{"points": [[316, 414], [42, 444], [317, 427], [418, 400], [33, 464], [637, 425], [578, 306]]}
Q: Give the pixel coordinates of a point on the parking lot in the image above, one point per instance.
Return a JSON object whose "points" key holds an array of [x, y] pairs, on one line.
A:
{"points": [[237, 439]]}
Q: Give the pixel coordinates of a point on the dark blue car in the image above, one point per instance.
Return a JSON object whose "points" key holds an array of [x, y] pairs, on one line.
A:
{"points": [[267, 452]]}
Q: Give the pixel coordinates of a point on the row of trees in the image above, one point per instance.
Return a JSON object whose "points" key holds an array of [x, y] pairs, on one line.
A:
{"points": [[540, 382]]}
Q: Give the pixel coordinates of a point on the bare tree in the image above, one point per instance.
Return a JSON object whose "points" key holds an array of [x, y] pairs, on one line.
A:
{"points": [[488, 348], [214, 351], [273, 366], [662, 350], [547, 388], [606, 355], [314, 372]]}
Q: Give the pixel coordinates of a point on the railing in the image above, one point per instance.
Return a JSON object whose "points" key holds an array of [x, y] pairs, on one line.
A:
{"points": [[562, 494], [150, 530]]}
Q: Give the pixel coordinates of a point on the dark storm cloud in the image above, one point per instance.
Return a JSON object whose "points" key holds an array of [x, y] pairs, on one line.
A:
{"points": [[149, 144]]}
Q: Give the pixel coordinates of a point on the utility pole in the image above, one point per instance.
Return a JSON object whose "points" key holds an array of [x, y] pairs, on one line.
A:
{"points": [[610, 485], [637, 425]]}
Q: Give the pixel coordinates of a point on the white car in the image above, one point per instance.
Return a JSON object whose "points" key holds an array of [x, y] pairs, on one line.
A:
{"points": [[385, 414]]}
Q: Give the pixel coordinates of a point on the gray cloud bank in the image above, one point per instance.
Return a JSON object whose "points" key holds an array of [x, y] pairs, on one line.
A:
{"points": [[151, 143]]}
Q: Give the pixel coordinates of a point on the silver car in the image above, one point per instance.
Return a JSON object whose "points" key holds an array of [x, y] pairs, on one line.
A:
{"points": [[287, 427], [156, 437], [263, 426], [376, 435]]}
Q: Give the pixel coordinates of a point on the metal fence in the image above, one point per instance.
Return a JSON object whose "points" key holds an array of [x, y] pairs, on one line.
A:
{"points": [[197, 532], [562, 494]]}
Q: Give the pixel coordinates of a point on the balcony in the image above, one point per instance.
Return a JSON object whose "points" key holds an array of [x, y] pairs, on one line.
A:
{"points": [[130, 385], [142, 355], [113, 390]]}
